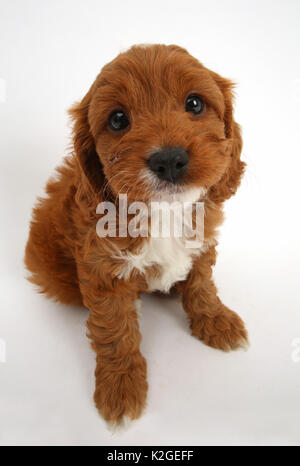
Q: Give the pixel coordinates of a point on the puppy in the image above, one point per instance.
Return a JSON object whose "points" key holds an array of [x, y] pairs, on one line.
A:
{"points": [[156, 124]]}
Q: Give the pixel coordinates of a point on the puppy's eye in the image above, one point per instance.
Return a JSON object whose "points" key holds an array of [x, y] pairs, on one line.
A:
{"points": [[118, 120], [194, 103]]}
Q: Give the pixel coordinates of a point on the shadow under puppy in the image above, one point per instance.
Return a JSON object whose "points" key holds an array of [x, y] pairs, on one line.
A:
{"points": [[156, 125]]}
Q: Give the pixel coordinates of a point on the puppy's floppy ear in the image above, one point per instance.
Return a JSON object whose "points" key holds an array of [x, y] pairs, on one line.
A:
{"points": [[84, 145], [231, 179]]}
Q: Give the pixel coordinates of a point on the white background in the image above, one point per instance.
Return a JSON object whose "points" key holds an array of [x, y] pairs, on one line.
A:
{"points": [[50, 53]]}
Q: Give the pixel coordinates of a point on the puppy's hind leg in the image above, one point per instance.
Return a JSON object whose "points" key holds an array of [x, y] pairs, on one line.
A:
{"points": [[51, 267]]}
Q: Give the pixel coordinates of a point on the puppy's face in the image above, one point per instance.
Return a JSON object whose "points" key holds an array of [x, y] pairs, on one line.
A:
{"points": [[161, 124]]}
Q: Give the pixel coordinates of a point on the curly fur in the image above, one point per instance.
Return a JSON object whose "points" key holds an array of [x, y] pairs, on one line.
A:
{"points": [[69, 262]]}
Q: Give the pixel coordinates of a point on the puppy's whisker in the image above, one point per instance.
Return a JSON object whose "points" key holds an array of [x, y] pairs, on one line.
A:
{"points": [[107, 184]]}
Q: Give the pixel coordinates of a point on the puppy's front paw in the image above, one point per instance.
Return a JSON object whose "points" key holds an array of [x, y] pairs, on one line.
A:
{"points": [[225, 331], [121, 395]]}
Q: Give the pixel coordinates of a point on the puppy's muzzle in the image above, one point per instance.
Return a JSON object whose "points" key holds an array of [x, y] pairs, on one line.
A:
{"points": [[169, 164]]}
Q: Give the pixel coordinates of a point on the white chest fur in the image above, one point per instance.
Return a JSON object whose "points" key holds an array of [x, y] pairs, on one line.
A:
{"points": [[172, 257], [171, 254]]}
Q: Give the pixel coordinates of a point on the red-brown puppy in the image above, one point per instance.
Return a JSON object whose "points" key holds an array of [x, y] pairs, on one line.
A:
{"points": [[156, 124]]}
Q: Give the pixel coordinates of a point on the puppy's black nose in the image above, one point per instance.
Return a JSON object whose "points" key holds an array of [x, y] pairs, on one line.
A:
{"points": [[169, 163]]}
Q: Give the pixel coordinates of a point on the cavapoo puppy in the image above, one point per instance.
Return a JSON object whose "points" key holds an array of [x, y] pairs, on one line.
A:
{"points": [[155, 125]]}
